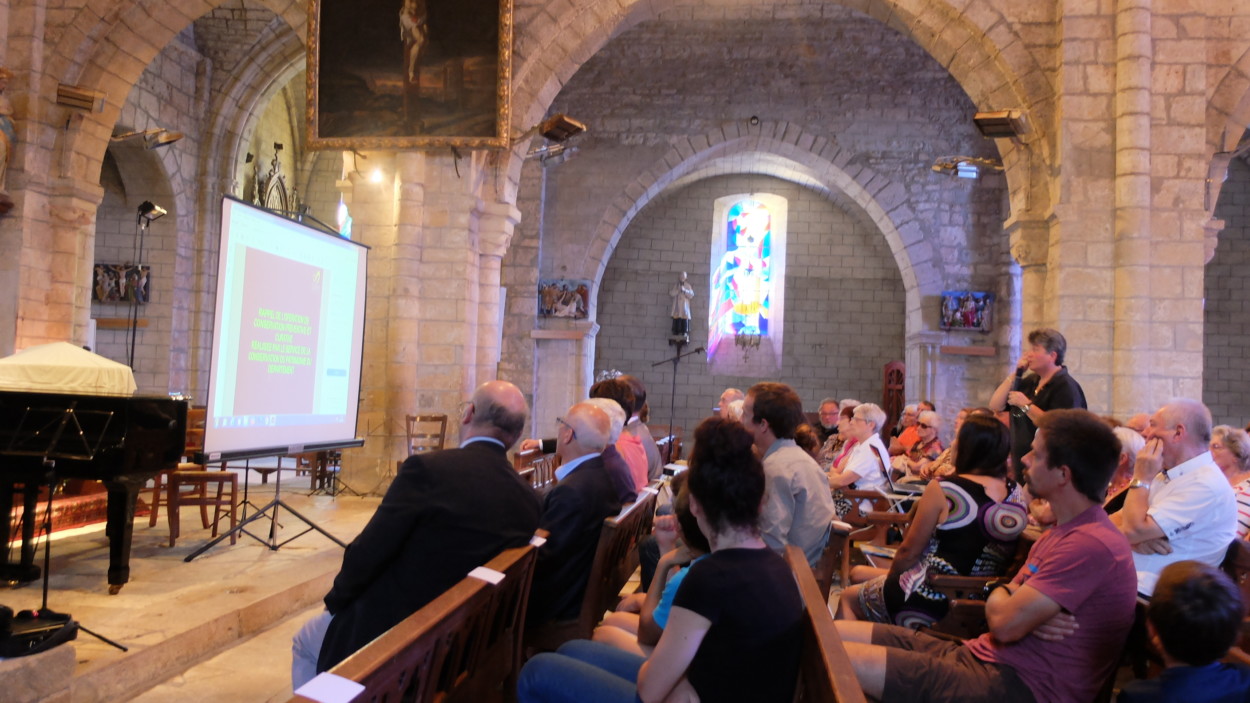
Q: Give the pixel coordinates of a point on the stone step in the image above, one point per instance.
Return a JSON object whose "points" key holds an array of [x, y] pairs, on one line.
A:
{"points": [[174, 614]]}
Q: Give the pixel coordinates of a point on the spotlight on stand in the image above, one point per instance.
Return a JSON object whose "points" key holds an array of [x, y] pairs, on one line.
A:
{"points": [[149, 211], [154, 138], [556, 130], [965, 166]]}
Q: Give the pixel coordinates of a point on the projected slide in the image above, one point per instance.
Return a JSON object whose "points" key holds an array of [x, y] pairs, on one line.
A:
{"points": [[289, 329]]}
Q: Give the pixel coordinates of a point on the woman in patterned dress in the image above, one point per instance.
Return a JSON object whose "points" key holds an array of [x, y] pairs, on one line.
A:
{"points": [[962, 525]]}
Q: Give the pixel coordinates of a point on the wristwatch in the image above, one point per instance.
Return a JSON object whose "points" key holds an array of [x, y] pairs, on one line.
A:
{"points": [[1026, 408], [1138, 483]]}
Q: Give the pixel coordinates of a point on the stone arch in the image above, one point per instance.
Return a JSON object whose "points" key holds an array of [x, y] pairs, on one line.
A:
{"points": [[1228, 116], [803, 158], [975, 43]]}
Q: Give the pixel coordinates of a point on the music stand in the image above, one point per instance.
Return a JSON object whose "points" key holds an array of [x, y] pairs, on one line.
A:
{"points": [[269, 510], [53, 432]]}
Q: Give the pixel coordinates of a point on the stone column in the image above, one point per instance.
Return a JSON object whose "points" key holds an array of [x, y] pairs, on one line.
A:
{"points": [[495, 228], [1131, 390], [1079, 293]]}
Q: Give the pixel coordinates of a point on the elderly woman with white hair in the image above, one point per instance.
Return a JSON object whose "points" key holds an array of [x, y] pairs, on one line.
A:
{"points": [[1230, 450], [866, 467], [1131, 442]]}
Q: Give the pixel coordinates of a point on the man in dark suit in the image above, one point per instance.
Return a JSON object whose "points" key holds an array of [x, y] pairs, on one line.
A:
{"points": [[445, 514], [573, 514]]}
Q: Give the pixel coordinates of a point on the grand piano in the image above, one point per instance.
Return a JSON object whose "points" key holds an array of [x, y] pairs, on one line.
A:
{"points": [[120, 440]]}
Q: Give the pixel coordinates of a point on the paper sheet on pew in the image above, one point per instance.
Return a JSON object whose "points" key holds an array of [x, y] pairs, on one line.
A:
{"points": [[330, 688], [488, 575]]}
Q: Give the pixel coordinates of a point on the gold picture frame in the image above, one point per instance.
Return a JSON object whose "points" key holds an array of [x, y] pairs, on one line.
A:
{"points": [[409, 74]]}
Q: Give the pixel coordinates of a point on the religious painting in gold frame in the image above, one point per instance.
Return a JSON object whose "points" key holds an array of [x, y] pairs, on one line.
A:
{"points": [[409, 74]]}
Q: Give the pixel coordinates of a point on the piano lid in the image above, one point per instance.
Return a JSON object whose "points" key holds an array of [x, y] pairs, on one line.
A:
{"points": [[61, 367]]}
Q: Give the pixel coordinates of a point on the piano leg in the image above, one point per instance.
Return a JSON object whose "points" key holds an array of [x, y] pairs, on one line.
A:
{"points": [[123, 492], [25, 570]]}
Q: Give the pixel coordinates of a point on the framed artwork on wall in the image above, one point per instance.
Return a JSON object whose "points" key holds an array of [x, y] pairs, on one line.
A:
{"points": [[121, 283], [409, 74], [967, 310], [564, 297]]}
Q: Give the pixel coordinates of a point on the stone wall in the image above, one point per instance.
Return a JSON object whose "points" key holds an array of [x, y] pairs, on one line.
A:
{"points": [[1226, 330], [843, 302]]}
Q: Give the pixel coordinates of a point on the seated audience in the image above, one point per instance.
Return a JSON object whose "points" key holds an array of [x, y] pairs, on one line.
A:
{"points": [[925, 450], [1194, 618], [445, 514], [1230, 449], [904, 434], [636, 425], [1178, 505], [573, 513], [1131, 442], [808, 440], [962, 525], [1138, 422], [798, 507], [728, 396], [734, 411], [734, 630], [828, 412], [866, 467], [1057, 629], [630, 446], [613, 462], [839, 445], [944, 464], [640, 618]]}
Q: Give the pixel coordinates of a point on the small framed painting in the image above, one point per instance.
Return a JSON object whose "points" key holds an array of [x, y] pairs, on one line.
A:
{"points": [[967, 310]]}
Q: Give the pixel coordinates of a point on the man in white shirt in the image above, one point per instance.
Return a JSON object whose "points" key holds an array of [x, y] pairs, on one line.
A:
{"points": [[1179, 505]]}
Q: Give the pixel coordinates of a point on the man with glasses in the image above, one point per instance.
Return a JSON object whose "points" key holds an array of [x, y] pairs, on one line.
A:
{"points": [[1179, 504], [828, 412], [445, 514], [573, 514]]}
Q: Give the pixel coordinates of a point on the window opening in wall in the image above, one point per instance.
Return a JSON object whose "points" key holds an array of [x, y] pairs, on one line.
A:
{"points": [[747, 296]]}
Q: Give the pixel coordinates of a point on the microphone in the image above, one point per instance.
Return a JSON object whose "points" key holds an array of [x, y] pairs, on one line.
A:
{"points": [[1015, 385]]}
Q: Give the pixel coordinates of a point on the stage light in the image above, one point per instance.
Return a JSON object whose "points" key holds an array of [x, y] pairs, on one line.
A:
{"points": [[1001, 124], [151, 211], [375, 176], [152, 138]]}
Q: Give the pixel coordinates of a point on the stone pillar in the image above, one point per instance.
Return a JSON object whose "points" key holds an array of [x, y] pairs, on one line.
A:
{"points": [[1079, 292], [496, 225], [923, 367], [373, 204], [1133, 301]]}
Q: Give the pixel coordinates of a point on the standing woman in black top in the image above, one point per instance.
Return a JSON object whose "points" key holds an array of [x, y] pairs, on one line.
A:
{"points": [[1046, 386], [733, 633]]}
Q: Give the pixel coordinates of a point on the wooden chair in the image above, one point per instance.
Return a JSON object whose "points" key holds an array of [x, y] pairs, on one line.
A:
{"points": [[463, 646], [669, 445], [865, 528], [825, 671], [197, 418], [616, 557], [426, 433], [195, 476]]}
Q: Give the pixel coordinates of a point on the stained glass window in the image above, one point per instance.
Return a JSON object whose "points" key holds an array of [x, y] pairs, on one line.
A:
{"points": [[747, 284]]}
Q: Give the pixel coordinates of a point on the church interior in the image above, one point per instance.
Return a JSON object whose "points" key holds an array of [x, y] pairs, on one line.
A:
{"points": [[1114, 207]]}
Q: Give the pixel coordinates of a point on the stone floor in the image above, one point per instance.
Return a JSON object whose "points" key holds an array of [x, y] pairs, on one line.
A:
{"points": [[215, 629]]}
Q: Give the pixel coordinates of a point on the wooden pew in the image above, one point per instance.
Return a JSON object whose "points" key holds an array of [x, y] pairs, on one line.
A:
{"points": [[537, 468], [464, 645], [616, 557], [825, 671]]}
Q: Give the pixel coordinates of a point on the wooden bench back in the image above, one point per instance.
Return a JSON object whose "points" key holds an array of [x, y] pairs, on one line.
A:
{"points": [[537, 468], [616, 557], [462, 646], [825, 671]]}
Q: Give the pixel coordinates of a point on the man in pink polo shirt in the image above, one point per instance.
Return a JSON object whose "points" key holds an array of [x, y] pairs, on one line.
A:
{"points": [[1058, 628]]}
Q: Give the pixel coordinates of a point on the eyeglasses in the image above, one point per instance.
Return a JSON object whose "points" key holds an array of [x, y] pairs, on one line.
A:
{"points": [[923, 426], [572, 432]]}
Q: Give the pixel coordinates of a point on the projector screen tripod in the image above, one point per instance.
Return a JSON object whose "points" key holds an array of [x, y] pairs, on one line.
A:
{"points": [[270, 511]]}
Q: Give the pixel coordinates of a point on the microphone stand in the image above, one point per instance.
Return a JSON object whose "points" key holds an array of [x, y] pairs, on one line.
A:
{"points": [[672, 397]]}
